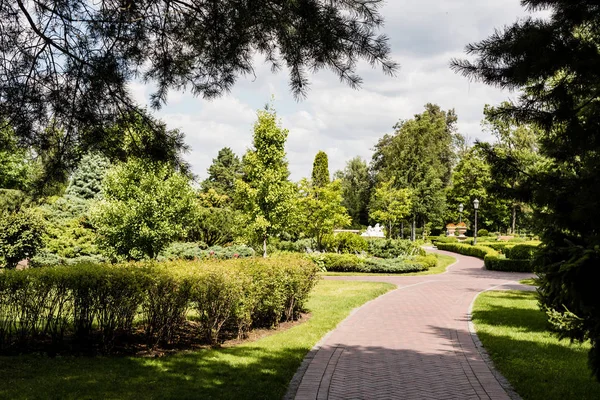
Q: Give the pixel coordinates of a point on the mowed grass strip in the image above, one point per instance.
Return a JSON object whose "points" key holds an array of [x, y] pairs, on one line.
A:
{"points": [[254, 370], [443, 262], [539, 366]]}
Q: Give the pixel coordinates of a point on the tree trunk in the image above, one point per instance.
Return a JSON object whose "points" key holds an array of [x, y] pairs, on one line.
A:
{"points": [[265, 246], [413, 229], [389, 235], [423, 230], [514, 218], [402, 230]]}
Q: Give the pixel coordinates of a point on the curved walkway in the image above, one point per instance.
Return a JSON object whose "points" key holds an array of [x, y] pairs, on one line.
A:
{"points": [[414, 342]]}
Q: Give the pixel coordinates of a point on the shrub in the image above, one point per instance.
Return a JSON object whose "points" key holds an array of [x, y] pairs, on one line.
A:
{"points": [[521, 252], [339, 262], [99, 302], [483, 232], [192, 251], [467, 249], [333, 262], [21, 235], [345, 242], [498, 263], [443, 239], [390, 248]]}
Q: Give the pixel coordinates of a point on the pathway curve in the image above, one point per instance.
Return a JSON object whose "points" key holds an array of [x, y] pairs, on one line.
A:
{"points": [[411, 343]]}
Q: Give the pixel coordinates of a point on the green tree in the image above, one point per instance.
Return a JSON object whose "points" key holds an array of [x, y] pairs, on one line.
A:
{"points": [[321, 209], [552, 62], [69, 64], [390, 205], [320, 171], [356, 190], [223, 172], [86, 181], [15, 164], [265, 194], [145, 207], [21, 235]]}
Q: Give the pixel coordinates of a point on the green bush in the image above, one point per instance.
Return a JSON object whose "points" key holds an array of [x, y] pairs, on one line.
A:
{"points": [[391, 248], [498, 263], [483, 232], [193, 251], [21, 235], [498, 246], [333, 262], [97, 303], [299, 246], [345, 242], [467, 249], [521, 252]]}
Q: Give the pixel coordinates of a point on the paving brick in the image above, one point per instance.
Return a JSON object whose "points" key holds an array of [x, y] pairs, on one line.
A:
{"points": [[413, 343]]}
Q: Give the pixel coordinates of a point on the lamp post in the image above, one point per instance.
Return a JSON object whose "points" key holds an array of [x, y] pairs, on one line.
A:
{"points": [[476, 207], [460, 210]]}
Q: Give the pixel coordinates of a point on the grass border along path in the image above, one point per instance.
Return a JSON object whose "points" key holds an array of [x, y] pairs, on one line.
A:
{"points": [[516, 335], [253, 370], [444, 262]]}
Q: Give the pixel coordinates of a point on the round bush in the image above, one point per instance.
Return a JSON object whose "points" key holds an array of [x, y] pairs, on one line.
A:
{"points": [[483, 232]]}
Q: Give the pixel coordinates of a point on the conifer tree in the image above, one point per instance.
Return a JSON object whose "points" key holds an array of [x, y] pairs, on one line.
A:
{"points": [[320, 171]]}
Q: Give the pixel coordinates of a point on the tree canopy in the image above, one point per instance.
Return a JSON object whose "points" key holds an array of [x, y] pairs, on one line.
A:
{"points": [[356, 190], [223, 172], [68, 64], [554, 62], [320, 171]]}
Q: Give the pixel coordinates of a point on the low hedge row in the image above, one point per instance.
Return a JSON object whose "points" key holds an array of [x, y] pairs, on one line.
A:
{"points": [[492, 259], [96, 304], [332, 262]]}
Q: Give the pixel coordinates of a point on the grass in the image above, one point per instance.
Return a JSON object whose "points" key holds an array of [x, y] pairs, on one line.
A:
{"points": [[515, 333], [443, 262], [530, 282], [253, 370]]}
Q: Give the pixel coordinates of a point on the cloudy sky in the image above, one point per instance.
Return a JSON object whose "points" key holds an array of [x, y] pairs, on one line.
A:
{"points": [[343, 122]]}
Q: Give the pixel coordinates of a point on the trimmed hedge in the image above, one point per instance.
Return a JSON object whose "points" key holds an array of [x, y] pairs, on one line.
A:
{"points": [[345, 242], [492, 259], [333, 262], [521, 251], [393, 248], [94, 304]]}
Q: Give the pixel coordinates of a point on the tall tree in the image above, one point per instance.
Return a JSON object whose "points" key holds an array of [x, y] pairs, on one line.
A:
{"points": [[86, 181], [389, 205], [265, 194], [356, 190], [321, 209], [320, 171], [68, 64], [223, 172], [554, 63]]}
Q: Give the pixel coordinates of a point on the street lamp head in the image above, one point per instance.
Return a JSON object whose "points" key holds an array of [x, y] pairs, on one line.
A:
{"points": [[476, 204], [460, 207]]}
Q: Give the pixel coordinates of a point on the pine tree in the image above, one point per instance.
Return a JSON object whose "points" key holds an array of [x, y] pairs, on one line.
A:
{"points": [[356, 190], [554, 63], [320, 171], [223, 172], [86, 181]]}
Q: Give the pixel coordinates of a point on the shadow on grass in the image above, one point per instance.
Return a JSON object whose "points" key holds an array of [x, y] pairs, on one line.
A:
{"points": [[233, 373]]}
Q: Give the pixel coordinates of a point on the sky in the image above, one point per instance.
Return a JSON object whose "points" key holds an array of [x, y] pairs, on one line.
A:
{"points": [[345, 123]]}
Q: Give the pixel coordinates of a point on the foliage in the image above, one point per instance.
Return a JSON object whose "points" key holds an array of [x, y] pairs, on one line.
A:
{"points": [[320, 171], [345, 242], [321, 209], [550, 61], [72, 67], [498, 263], [389, 248], [299, 246], [86, 181], [390, 205], [144, 208], [521, 251], [265, 194], [223, 172], [12, 200], [214, 226], [20, 235], [356, 190], [467, 249], [15, 163], [113, 300], [192, 251], [332, 262], [483, 233]]}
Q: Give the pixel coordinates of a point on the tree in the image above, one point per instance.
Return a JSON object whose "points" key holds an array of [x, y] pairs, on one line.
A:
{"points": [[265, 194], [356, 190], [321, 209], [15, 164], [320, 171], [390, 205], [223, 172], [20, 235], [145, 207], [68, 64], [553, 63], [86, 181]]}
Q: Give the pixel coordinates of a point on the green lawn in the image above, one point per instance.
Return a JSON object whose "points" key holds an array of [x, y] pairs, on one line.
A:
{"points": [[443, 263], [530, 282], [255, 370], [539, 366]]}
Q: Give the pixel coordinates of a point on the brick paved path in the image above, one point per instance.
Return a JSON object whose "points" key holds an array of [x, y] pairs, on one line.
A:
{"points": [[412, 343]]}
